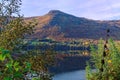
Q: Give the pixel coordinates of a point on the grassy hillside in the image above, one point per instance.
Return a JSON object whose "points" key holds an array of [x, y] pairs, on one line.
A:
{"points": [[62, 27]]}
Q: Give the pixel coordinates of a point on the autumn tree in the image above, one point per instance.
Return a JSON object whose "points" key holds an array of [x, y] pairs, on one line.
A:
{"points": [[13, 29]]}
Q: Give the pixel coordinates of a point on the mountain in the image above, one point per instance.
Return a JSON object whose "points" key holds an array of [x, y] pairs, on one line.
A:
{"points": [[62, 26]]}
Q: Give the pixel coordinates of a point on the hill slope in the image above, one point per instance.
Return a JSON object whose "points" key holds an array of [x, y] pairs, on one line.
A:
{"points": [[62, 26]]}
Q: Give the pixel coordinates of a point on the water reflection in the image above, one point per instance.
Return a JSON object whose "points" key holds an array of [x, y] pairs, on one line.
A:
{"points": [[74, 52], [74, 75]]}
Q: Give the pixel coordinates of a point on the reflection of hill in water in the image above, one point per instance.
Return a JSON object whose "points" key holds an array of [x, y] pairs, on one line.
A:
{"points": [[70, 63], [74, 52]]}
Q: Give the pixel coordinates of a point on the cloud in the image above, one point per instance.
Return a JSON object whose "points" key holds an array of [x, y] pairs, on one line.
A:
{"points": [[93, 9]]}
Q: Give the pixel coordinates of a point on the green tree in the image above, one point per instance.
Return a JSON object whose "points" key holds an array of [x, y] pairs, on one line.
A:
{"points": [[12, 32], [13, 29], [40, 61], [110, 69]]}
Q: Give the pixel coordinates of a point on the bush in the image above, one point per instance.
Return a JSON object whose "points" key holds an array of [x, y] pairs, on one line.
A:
{"points": [[11, 69], [110, 69]]}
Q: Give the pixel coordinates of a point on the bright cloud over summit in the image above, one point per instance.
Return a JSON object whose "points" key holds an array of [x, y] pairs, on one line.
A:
{"points": [[92, 9]]}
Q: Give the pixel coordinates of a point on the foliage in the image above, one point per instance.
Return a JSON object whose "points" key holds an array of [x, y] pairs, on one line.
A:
{"points": [[8, 8], [11, 69], [14, 33], [111, 65], [40, 61], [13, 29]]}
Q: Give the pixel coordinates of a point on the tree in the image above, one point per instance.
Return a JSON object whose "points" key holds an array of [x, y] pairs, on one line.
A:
{"points": [[13, 29], [8, 8], [13, 34], [40, 62], [107, 67]]}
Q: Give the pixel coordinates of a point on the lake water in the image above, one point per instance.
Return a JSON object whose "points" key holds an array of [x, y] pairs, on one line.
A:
{"points": [[74, 75]]}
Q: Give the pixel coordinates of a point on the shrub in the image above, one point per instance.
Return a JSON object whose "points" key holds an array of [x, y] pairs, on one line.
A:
{"points": [[11, 69], [110, 69]]}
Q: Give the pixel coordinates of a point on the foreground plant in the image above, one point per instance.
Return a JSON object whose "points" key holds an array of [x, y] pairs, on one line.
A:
{"points": [[106, 60], [11, 69], [40, 61], [12, 32]]}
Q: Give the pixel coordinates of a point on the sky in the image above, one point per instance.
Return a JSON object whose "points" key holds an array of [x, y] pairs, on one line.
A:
{"points": [[91, 9]]}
